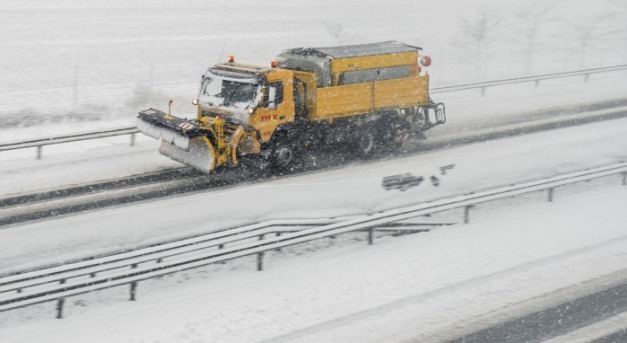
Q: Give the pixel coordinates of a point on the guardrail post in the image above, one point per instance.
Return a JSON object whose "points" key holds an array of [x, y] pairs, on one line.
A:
{"points": [[132, 139], [550, 195], [133, 286], [467, 213], [60, 303], [586, 78], [371, 236], [624, 179], [278, 234], [536, 83], [39, 148], [260, 261], [483, 91], [260, 257], [133, 291], [220, 247]]}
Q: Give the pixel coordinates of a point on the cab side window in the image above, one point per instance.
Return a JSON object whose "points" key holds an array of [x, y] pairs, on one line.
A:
{"points": [[274, 94]]}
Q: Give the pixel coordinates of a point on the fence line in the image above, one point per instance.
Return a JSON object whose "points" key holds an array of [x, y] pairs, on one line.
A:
{"points": [[40, 143], [483, 85]]}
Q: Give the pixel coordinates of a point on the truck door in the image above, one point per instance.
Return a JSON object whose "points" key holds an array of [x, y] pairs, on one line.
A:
{"points": [[277, 107]]}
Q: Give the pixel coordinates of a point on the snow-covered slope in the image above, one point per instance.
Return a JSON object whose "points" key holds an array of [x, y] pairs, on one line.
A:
{"points": [[106, 58]]}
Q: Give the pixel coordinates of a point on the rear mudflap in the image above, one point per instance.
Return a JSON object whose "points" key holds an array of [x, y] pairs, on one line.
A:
{"points": [[436, 114]]}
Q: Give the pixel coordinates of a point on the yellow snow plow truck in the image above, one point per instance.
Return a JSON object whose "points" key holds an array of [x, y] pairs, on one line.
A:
{"points": [[356, 98]]}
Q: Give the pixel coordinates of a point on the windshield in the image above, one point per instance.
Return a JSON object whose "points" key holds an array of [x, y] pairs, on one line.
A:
{"points": [[229, 92]]}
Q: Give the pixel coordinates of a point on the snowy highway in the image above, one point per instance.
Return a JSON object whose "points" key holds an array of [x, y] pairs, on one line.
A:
{"points": [[353, 190], [570, 320], [478, 166], [448, 282], [523, 269], [159, 183]]}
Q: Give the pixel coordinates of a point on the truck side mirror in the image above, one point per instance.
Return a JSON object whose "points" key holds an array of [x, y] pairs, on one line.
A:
{"points": [[272, 98], [271, 94]]}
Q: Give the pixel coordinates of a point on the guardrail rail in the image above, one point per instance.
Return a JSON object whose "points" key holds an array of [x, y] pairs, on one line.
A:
{"points": [[128, 269]]}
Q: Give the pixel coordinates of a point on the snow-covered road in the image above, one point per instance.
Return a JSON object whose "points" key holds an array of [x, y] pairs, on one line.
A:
{"points": [[499, 257], [424, 287], [340, 192]]}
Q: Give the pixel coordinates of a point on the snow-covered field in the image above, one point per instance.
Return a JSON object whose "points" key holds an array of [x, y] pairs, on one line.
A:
{"points": [[104, 60], [109, 58]]}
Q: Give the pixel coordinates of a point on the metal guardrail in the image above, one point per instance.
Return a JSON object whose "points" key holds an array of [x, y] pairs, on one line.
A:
{"points": [[483, 85], [58, 283], [39, 143]]}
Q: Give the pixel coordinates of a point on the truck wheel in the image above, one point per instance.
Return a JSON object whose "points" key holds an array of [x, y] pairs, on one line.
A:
{"points": [[365, 143], [394, 140], [283, 156]]}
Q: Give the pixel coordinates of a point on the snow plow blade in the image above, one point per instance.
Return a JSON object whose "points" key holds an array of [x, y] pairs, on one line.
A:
{"points": [[181, 140], [160, 125], [200, 154]]}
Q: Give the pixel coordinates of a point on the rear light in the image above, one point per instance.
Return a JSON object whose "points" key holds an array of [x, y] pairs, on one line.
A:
{"points": [[274, 64], [230, 59], [425, 61]]}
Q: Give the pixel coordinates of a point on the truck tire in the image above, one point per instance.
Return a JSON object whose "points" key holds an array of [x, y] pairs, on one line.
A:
{"points": [[365, 143], [283, 154], [394, 139]]}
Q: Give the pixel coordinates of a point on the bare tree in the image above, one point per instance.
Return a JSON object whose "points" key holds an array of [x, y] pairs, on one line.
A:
{"points": [[590, 33], [339, 33], [527, 24], [622, 5], [476, 37]]}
